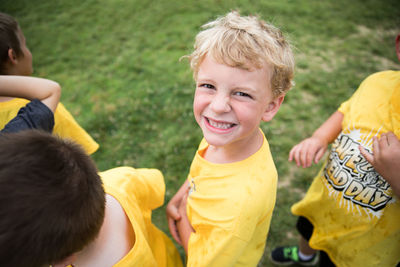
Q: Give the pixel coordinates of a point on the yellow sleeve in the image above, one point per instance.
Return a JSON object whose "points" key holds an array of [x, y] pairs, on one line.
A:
{"points": [[146, 185], [395, 111], [9, 109], [67, 127]]}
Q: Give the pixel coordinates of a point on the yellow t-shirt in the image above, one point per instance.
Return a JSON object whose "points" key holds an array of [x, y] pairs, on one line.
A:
{"points": [[139, 191], [65, 125], [355, 214], [230, 208]]}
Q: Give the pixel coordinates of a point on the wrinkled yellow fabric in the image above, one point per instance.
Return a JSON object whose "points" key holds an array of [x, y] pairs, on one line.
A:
{"points": [[139, 191], [230, 208], [356, 216], [65, 125]]}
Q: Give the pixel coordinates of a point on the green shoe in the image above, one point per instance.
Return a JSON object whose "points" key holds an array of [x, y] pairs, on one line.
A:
{"points": [[290, 255]]}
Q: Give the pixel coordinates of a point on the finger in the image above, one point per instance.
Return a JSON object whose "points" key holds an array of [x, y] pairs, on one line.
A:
{"points": [[319, 155], [297, 156], [291, 153], [303, 156], [172, 211], [311, 154], [368, 156], [375, 146], [383, 141], [174, 231], [392, 138]]}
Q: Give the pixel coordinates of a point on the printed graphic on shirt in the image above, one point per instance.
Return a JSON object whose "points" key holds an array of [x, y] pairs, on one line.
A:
{"points": [[192, 187], [353, 177]]}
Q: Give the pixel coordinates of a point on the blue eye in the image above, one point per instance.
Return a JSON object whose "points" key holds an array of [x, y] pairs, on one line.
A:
{"points": [[242, 94], [207, 85]]}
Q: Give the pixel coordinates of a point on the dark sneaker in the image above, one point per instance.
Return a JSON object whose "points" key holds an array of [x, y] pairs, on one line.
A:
{"points": [[289, 255]]}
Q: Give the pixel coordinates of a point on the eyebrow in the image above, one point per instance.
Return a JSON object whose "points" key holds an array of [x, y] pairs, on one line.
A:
{"points": [[204, 79]]}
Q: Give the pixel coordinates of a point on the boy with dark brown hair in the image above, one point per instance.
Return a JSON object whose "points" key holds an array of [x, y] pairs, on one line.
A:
{"points": [[16, 59]]}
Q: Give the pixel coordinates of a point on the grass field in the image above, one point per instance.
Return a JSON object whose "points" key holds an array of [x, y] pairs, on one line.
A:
{"points": [[118, 64]]}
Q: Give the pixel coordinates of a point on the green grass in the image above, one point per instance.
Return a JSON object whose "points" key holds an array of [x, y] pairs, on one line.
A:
{"points": [[118, 64]]}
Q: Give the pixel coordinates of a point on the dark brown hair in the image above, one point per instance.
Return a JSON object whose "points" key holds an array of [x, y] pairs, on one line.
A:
{"points": [[8, 39], [52, 200]]}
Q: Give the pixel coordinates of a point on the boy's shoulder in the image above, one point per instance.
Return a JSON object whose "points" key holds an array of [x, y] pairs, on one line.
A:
{"points": [[377, 88], [387, 76], [144, 186]]}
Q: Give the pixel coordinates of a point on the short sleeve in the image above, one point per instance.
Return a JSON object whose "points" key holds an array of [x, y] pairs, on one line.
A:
{"points": [[67, 127], [35, 115], [146, 186], [395, 111], [344, 108]]}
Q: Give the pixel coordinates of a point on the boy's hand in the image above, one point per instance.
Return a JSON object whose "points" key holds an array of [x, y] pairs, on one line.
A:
{"points": [[313, 148], [173, 216], [307, 151], [172, 210], [386, 159], [183, 225]]}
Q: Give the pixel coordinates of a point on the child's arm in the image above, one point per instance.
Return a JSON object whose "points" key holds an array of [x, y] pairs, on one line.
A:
{"points": [[386, 159], [172, 210], [183, 225], [313, 148], [47, 91]]}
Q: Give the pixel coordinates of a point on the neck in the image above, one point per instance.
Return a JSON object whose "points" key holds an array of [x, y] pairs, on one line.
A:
{"points": [[236, 151], [115, 240]]}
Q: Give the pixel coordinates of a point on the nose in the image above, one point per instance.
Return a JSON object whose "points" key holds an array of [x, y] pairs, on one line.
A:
{"points": [[220, 103]]}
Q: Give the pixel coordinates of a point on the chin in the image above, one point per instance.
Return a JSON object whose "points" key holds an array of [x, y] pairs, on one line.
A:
{"points": [[217, 141]]}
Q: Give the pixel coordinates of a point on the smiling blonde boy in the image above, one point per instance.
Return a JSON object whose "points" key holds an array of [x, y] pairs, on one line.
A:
{"points": [[242, 67]]}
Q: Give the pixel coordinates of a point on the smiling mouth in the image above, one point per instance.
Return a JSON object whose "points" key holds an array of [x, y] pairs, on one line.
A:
{"points": [[220, 125]]}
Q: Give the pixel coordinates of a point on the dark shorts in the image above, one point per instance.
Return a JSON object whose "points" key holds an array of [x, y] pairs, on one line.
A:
{"points": [[305, 228]]}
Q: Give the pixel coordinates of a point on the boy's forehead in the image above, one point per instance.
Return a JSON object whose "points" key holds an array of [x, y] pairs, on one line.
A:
{"points": [[246, 65], [249, 65]]}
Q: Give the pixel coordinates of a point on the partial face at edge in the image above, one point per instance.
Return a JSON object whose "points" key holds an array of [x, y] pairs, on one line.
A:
{"points": [[22, 65]]}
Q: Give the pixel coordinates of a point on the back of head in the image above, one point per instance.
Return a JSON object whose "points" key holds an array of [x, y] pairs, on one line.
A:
{"points": [[8, 39], [51, 199], [247, 43]]}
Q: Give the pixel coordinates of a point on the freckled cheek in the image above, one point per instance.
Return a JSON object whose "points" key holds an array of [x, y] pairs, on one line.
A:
{"points": [[197, 109], [200, 102], [247, 116]]}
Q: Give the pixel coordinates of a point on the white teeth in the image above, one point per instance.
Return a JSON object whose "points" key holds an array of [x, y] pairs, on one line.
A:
{"points": [[220, 125]]}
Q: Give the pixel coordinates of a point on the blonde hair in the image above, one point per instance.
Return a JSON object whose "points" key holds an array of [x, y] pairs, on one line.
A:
{"points": [[246, 42]]}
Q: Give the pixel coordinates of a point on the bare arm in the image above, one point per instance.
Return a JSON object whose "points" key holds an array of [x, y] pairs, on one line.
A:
{"points": [[172, 210], [313, 148], [47, 91], [386, 159], [183, 225]]}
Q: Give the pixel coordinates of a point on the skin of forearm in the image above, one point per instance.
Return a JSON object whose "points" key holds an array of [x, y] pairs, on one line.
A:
{"points": [[183, 190], [47, 91], [330, 129], [184, 229]]}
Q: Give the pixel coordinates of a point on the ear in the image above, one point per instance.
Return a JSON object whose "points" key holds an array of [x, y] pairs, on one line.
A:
{"points": [[12, 56], [68, 261], [272, 108], [398, 46]]}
